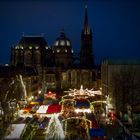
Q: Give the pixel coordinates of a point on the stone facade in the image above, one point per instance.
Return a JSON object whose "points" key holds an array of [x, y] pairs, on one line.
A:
{"points": [[56, 65], [120, 80]]}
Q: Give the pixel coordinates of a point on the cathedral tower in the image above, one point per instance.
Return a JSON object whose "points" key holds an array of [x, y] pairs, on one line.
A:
{"points": [[86, 55]]}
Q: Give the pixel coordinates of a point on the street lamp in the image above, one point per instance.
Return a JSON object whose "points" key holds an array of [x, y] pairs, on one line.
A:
{"points": [[39, 92]]}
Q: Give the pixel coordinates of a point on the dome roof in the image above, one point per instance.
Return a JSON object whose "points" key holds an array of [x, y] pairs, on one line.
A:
{"points": [[62, 44]]}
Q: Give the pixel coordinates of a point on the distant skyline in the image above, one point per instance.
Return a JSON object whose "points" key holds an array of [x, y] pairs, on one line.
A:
{"points": [[115, 25]]}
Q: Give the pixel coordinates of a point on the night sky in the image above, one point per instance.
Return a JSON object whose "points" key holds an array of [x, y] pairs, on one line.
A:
{"points": [[115, 24]]}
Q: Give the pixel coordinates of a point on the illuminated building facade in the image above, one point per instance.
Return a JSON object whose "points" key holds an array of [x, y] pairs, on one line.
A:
{"points": [[56, 64]]}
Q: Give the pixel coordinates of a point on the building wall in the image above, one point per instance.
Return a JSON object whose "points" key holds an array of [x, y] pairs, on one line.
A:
{"points": [[120, 82], [74, 78]]}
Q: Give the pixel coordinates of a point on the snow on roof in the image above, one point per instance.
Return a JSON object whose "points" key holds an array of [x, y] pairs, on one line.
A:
{"points": [[15, 131]]}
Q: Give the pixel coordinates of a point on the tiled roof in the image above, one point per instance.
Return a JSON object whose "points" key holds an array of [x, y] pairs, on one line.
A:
{"points": [[33, 40]]}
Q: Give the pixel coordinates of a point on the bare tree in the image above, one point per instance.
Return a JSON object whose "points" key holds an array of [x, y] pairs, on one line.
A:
{"points": [[125, 87], [10, 89]]}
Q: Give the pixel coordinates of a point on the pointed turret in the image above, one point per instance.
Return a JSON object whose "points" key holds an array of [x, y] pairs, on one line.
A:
{"points": [[86, 28]]}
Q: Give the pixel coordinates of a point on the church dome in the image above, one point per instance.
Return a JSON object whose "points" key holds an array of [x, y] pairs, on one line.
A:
{"points": [[62, 44]]}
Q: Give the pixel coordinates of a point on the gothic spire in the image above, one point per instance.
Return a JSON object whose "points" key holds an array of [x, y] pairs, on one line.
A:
{"points": [[86, 26]]}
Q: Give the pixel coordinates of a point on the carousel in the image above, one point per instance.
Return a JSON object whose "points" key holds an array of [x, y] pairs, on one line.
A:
{"points": [[80, 100], [78, 109]]}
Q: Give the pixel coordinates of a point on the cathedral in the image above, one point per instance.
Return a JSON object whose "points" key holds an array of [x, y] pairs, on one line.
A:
{"points": [[58, 66]]}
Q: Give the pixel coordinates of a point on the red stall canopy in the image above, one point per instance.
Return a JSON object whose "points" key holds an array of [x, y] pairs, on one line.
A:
{"points": [[55, 108]]}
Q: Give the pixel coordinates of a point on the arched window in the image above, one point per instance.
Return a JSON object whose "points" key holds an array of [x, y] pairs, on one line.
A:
{"points": [[93, 76], [37, 57], [28, 58], [16, 57], [20, 56]]}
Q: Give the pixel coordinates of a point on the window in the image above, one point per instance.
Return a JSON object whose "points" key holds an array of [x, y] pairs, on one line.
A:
{"points": [[64, 76], [17, 47], [47, 47], [30, 47], [68, 43], [28, 58], [62, 43], [36, 47], [21, 47], [56, 43], [37, 57], [58, 50]]}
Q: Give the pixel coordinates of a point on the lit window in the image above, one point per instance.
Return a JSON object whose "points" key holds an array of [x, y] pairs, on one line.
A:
{"points": [[36, 47], [72, 51], [30, 47], [47, 47], [56, 43], [65, 50], [21, 47], [17, 47], [6, 64], [68, 43], [58, 50], [62, 43], [64, 76]]}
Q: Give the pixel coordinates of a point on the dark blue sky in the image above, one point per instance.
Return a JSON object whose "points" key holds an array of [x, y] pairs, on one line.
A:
{"points": [[115, 24]]}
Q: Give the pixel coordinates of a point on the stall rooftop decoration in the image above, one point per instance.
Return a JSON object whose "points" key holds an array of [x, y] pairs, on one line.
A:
{"points": [[49, 109], [83, 92], [83, 100], [50, 95], [15, 131]]}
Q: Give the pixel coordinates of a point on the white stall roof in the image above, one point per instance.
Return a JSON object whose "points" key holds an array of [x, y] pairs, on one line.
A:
{"points": [[14, 132]]}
